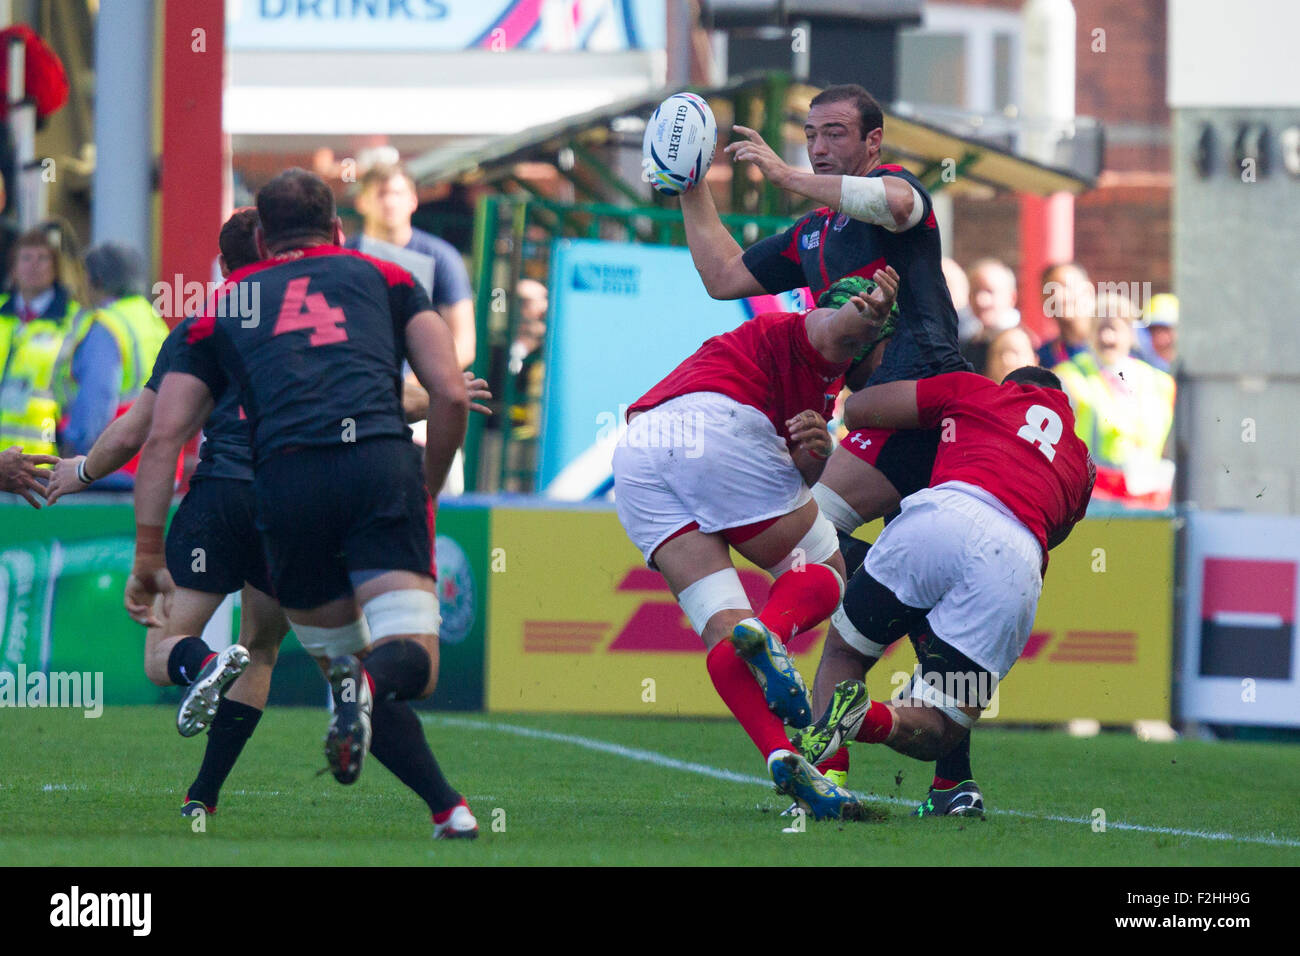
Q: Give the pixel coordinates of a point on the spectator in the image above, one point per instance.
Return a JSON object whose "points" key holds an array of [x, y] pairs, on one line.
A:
{"points": [[1010, 349], [526, 358], [993, 303], [993, 294], [959, 291], [1157, 337], [36, 324], [124, 333], [1069, 300], [1124, 410], [386, 201]]}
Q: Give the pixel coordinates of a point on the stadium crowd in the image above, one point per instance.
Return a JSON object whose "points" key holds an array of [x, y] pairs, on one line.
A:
{"points": [[1113, 357], [78, 334]]}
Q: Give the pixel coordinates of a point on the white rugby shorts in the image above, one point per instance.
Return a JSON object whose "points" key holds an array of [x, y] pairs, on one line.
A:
{"points": [[956, 549], [706, 458]]}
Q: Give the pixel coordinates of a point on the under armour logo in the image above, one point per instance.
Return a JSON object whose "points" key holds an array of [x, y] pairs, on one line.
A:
{"points": [[859, 441]]}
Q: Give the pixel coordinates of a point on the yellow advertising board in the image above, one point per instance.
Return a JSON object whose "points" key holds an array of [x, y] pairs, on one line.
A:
{"points": [[578, 624]]}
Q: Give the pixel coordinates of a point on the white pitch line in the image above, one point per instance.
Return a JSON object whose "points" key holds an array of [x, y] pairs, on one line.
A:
{"points": [[590, 743], [717, 773]]}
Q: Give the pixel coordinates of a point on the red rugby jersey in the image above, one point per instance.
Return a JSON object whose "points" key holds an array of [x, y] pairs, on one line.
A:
{"points": [[1015, 441], [767, 363]]}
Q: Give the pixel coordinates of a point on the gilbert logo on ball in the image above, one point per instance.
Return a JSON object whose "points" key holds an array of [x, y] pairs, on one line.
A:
{"points": [[679, 142]]}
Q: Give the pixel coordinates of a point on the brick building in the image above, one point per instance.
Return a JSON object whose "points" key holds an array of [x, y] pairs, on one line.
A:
{"points": [[1122, 228]]}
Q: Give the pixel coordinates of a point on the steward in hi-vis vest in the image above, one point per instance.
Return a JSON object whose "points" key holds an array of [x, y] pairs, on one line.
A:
{"points": [[1124, 416], [122, 332], [37, 317]]}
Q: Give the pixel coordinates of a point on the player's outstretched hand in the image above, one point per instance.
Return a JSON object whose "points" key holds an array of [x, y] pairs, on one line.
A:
{"points": [[21, 475], [808, 432], [878, 304], [754, 150], [142, 589], [881, 299], [64, 480], [478, 392]]}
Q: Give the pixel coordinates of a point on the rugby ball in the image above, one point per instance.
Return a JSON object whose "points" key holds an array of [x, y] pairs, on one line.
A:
{"points": [[679, 143]]}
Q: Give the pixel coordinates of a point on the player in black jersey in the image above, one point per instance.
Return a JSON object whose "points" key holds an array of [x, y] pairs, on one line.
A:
{"points": [[871, 215], [341, 497], [212, 550]]}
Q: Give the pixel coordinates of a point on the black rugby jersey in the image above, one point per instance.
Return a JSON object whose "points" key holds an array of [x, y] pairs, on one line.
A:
{"points": [[318, 361], [825, 246], [226, 451]]}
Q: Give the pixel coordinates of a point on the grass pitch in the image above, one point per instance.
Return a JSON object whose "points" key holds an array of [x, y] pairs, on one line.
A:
{"points": [[625, 791]]}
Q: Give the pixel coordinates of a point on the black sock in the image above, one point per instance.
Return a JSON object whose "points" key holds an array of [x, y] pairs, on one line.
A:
{"points": [[854, 551], [231, 728], [955, 766], [398, 669], [186, 660], [397, 741]]}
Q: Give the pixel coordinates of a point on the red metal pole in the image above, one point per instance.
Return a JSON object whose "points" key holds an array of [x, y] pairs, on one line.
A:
{"points": [[1046, 238], [192, 155]]}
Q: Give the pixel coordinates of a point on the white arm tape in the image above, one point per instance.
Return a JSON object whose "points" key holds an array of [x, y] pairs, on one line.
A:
{"points": [[863, 197]]}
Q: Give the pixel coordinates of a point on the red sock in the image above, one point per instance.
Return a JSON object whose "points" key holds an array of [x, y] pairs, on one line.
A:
{"points": [[877, 724], [836, 761], [942, 783], [736, 686], [801, 599]]}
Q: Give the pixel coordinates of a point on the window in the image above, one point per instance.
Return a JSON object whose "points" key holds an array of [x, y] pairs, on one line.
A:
{"points": [[962, 58], [932, 68]]}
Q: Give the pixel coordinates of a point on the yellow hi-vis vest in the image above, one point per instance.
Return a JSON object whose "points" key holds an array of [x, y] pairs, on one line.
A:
{"points": [[31, 355], [1124, 422], [139, 333]]}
